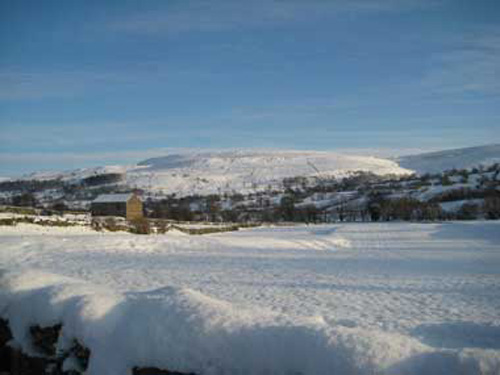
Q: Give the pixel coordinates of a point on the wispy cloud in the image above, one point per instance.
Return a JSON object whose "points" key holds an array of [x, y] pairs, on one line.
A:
{"points": [[21, 85], [63, 82], [24, 85], [86, 135], [219, 15], [470, 65]]}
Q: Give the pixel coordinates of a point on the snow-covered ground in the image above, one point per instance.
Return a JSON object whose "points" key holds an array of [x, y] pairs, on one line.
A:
{"points": [[395, 298]]}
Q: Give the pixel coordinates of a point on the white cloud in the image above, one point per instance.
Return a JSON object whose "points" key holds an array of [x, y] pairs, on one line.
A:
{"points": [[20, 85], [470, 65], [217, 15], [32, 84]]}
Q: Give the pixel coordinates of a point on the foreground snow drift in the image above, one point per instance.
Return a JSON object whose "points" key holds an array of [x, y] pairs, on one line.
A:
{"points": [[388, 298], [184, 330]]}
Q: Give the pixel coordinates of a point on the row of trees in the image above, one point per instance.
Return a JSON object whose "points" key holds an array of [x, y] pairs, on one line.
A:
{"points": [[34, 186], [378, 207], [381, 209]]}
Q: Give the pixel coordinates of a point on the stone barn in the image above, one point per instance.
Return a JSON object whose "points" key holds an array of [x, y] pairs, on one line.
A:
{"points": [[125, 205]]}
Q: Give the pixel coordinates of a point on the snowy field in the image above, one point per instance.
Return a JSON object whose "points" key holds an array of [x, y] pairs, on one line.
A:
{"points": [[395, 298]]}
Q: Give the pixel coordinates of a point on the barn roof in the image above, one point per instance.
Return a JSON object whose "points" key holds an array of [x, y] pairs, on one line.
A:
{"points": [[113, 198]]}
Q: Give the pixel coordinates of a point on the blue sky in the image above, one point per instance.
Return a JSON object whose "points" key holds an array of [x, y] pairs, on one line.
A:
{"points": [[86, 83]]}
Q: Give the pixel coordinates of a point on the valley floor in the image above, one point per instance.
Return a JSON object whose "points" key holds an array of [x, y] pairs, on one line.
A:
{"points": [[431, 288]]}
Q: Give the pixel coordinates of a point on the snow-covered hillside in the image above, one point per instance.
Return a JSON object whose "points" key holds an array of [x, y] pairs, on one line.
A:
{"points": [[229, 171], [462, 158], [247, 171], [241, 172]]}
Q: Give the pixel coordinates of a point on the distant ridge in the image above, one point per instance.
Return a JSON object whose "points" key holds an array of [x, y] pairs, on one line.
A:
{"points": [[460, 158], [248, 171]]}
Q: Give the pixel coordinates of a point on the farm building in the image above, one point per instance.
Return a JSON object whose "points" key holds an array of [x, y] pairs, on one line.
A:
{"points": [[125, 205]]}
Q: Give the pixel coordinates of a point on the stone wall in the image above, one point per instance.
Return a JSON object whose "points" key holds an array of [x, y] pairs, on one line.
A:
{"points": [[48, 360]]}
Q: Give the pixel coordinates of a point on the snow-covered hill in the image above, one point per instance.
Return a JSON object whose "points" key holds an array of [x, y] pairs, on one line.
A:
{"points": [[229, 171], [247, 171], [462, 158]]}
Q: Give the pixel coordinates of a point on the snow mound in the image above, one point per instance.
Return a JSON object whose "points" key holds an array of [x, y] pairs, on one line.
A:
{"points": [[184, 330]]}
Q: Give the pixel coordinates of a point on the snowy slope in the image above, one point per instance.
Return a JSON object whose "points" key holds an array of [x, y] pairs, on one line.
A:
{"points": [[247, 171], [230, 171], [434, 162], [204, 173]]}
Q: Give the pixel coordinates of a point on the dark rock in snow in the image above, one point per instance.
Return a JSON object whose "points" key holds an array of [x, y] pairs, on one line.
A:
{"points": [[45, 339]]}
